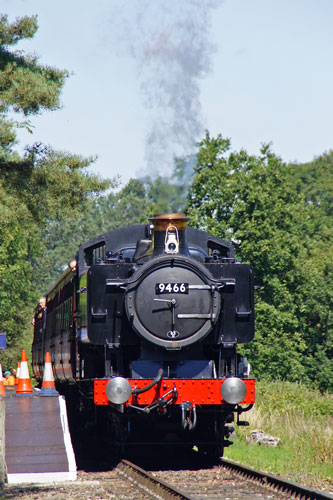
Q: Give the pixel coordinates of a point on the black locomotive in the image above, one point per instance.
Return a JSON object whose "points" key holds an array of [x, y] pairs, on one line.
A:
{"points": [[143, 330]]}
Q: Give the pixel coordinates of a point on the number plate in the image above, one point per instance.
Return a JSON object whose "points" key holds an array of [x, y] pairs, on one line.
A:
{"points": [[171, 288]]}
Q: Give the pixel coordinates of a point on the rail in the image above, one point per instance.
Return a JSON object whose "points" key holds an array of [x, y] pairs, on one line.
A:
{"points": [[275, 482], [149, 482], [162, 490]]}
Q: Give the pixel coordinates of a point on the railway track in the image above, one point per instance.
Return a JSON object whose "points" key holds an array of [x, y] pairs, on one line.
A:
{"points": [[149, 482], [277, 483], [229, 480], [127, 481]]}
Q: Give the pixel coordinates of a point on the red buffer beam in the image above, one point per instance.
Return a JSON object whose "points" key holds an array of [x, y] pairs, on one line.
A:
{"points": [[198, 391]]}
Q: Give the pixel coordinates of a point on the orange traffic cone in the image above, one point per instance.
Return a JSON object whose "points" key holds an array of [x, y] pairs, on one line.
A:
{"points": [[48, 386], [2, 387], [18, 372], [24, 384]]}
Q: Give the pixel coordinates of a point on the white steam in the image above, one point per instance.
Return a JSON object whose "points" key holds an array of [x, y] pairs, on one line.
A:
{"points": [[169, 41]]}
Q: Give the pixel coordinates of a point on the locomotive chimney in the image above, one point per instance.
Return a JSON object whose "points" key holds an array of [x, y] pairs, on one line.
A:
{"points": [[169, 234]]}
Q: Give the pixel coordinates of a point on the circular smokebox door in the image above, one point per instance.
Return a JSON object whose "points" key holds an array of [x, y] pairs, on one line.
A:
{"points": [[173, 306]]}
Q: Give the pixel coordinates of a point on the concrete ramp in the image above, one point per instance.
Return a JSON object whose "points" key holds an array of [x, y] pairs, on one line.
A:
{"points": [[38, 445]]}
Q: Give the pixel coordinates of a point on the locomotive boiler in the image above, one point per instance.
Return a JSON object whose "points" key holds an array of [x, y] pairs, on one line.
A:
{"points": [[143, 329]]}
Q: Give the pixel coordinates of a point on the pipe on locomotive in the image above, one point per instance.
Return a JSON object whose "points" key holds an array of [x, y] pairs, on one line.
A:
{"points": [[149, 386], [119, 390]]}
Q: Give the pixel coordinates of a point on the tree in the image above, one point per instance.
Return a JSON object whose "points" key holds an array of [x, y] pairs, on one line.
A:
{"points": [[168, 194], [315, 181], [133, 204], [62, 237], [253, 200], [42, 185], [26, 86]]}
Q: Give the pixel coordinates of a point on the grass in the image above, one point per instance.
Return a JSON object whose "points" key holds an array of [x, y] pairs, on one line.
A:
{"points": [[303, 420]]}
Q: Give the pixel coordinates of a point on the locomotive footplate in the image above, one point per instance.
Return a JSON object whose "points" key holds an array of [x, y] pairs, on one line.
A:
{"points": [[197, 391]]}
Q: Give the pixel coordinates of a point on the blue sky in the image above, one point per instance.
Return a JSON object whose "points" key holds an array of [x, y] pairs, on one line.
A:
{"points": [[269, 77]]}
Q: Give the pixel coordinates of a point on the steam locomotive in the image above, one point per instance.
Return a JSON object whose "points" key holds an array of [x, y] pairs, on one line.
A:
{"points": [[143, 329]]}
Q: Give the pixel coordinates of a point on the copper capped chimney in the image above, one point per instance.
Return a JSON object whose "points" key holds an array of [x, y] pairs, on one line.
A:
{"points": [[169, 234]]}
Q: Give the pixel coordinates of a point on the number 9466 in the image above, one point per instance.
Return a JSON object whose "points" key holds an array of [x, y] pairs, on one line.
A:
{"points": [[171, 288]]}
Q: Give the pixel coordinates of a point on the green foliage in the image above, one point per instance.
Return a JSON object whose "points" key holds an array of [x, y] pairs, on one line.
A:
{"points": [[57, 184], [288, 397], [22, 28], [41, 186], [315, 293], [31, 192], [15, 271], [25, 85], [315, 180], [168, 195], [61, 237], [302, 419], [164, 195], [256, 201], [138, 200]]}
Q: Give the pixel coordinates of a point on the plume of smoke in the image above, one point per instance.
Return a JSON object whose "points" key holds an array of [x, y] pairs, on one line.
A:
{"points": [[169, 40]]}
